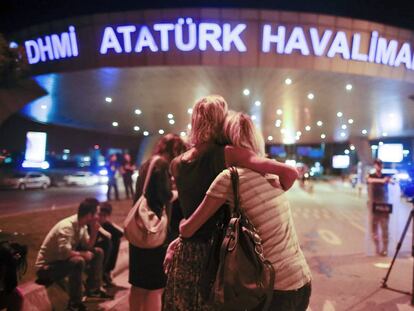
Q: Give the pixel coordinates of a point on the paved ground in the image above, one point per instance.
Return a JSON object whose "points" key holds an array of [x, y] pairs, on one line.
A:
{"points": [[332, 221], [332, 224], [18, 201]]}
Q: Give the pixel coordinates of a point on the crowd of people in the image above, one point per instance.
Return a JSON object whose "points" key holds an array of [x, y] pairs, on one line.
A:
{"points": [[191, 182], [170, 278], [123, 167]]}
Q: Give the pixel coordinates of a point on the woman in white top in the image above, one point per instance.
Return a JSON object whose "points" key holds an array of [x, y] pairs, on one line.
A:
{"points": [[267, 207]]}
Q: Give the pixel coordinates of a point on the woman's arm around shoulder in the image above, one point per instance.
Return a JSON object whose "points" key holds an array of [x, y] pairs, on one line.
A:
{"points": [[236, 156], [204, 211]]}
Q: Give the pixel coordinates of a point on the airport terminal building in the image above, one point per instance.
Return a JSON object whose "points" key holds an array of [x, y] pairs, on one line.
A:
{"points": [[309, 80]]}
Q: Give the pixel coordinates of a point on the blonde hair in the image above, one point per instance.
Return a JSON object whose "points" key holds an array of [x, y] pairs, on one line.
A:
{"points": [[240, 131], [207, 120]]}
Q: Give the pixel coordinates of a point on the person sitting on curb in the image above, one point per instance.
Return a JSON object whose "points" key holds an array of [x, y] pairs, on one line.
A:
{"points": [[109, 239], [67, 251]]}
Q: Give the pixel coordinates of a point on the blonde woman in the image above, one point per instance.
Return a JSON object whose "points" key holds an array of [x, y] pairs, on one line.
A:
{"points": [[194, 171], [269, 211]]}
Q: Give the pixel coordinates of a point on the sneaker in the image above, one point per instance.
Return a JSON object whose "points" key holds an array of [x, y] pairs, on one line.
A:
{"points": [[76, 306], [98, 294], [384, 253]]}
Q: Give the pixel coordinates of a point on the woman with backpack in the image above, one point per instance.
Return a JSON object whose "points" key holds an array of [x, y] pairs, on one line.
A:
{"points": [[268, 209], [193, 172], [146, 274]]}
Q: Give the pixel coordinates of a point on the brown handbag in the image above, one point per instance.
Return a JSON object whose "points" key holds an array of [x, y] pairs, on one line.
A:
{"points": [[244, 277]]}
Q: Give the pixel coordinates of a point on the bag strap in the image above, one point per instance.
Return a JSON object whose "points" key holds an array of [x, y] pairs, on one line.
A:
{"points": [[232, 227], [269, 294], [149, 173], [236, 194]]}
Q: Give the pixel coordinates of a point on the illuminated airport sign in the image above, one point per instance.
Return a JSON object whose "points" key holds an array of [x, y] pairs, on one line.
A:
{"points": [[35, 150], [218, 37], [51, 47], [187, 35]]}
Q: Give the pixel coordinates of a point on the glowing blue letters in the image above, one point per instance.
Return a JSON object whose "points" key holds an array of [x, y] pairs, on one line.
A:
{"points": [[52, 47], [319, 45], [380, 51], [339, 46], [356, 54], [192, 35], [297, 41], [187, 36], [386, 53], [278, 38]]}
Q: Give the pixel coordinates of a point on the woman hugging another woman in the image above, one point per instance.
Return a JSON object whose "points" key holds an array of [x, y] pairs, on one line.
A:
{"points": [[194, 171]]}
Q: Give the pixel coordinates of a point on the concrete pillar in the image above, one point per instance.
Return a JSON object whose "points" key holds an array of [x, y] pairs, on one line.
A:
{"points": [[363, 150]]}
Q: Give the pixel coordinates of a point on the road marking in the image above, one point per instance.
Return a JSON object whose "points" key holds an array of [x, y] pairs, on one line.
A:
{"points": [[404, 307], [329, 306], [352, 222], [357, 226], [382, 265], [329, 237]]}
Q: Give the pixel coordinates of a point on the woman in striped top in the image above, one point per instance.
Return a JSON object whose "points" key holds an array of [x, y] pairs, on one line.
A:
{"points": [[267, 207]]}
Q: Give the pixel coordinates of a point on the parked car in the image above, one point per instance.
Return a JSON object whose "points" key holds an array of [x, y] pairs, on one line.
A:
{"points": [[23, 181], [81, 179]]}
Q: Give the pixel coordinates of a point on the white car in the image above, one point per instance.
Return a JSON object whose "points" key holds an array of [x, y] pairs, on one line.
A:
{"points": [[81, 179], [23, 181]]}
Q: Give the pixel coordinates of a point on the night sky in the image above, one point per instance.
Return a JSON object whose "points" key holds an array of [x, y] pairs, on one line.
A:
{"points": [[18, 14]]}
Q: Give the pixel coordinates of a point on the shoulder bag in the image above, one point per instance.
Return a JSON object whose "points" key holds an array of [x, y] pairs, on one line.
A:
{"points": [[143, 228], [244, 277]]}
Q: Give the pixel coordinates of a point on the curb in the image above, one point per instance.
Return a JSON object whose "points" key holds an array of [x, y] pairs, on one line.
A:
{"points": [[54, 297]]}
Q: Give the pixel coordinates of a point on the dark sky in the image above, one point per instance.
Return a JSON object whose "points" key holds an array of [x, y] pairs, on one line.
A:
{"points": [[17, 14]]}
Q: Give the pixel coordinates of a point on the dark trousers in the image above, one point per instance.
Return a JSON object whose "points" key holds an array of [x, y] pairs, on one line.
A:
{"points": [[129, 191], [112, 184], [74, 268], [290, 300], [380, 221], [110, 246]]}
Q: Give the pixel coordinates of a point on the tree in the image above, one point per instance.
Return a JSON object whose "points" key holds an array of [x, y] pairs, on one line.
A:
{"points": [[13, 64], [16, 87]]}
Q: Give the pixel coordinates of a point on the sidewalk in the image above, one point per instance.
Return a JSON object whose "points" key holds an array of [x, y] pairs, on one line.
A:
{"points": [[345, 276], [54, 297]]}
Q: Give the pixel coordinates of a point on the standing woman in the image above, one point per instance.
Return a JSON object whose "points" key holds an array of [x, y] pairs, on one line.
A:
{"points": [[194, 171], [146, 274], [269, 211]]}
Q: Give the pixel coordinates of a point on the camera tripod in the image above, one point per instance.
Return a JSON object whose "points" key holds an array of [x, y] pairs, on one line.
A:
{"points": [[384, 283]]}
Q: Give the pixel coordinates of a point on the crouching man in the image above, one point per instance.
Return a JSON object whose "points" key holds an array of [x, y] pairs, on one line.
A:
{"points": [[68, 250]]}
